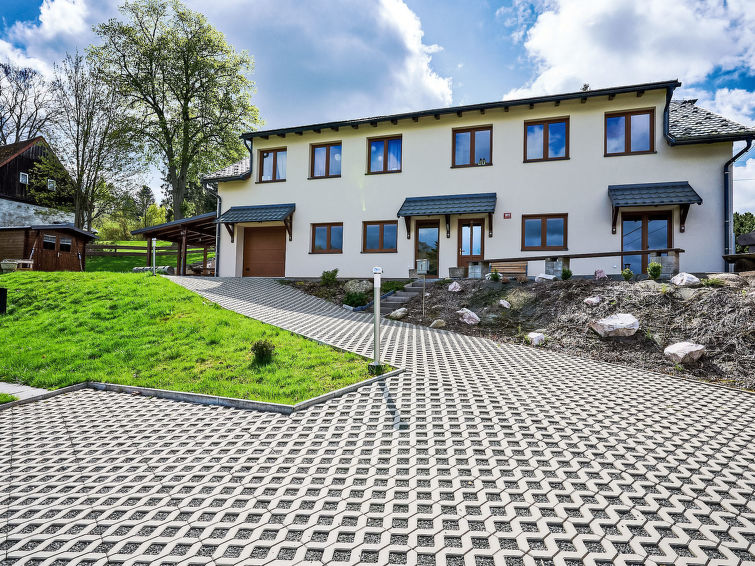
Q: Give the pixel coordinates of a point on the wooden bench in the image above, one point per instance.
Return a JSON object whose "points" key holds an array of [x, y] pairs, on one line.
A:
{"points": [[510, 268]]}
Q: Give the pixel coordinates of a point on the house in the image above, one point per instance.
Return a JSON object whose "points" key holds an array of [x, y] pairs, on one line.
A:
{"points": [[51, 247], [18, 204], [610, 170]]}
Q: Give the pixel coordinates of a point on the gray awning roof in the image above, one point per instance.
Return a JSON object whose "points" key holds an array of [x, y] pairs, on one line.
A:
{"points": [[653, 194], [262, 213], [448, 204]]}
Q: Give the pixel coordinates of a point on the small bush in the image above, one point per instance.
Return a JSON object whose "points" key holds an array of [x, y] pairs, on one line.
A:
{"points": [[355, 299], [328, 278], [712, 282], [494, 275], [627, 274], [654, 270], [263, 351], [566, 273]]}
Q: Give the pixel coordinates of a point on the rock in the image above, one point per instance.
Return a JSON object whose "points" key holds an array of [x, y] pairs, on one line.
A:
{"points": [[729, 279], [454, 287], [468, 317], [398, 314], [600, 274], [536, 338], [684, 352], [685, 293], [542, 277], [438, 323], [592, 301], [358, 286], [620, 324], [504, 303], [685, 280]]}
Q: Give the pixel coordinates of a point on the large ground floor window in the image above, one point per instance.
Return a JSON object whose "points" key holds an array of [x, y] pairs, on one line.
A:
{"points": [[428, 243], [644, 231]]}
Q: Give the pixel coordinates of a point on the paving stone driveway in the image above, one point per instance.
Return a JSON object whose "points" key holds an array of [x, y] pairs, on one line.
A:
{"points": [[479, 454]]}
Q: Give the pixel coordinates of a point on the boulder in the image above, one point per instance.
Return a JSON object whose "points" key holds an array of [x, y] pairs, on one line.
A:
{"points": [[438, 323], [454, 287], [398, 314], [468, 317], [616, 325], [593, 301], [684, 352], [504, 304], [685, 280], [600, 274], [542, 277], [536, 338], [358, 286]]}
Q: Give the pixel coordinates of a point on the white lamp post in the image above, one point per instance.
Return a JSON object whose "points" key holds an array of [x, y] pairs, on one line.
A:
{"points": [[376, 367]]}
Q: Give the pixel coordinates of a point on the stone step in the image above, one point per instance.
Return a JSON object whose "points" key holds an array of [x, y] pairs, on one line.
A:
{"points": [[407, 294]]}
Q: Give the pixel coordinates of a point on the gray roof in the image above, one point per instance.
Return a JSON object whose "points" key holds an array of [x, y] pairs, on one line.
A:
{"points": [[448, 204], [689, 123], [651, 194], [65, 227], [263, 213], [206, 215], [235, 172]]}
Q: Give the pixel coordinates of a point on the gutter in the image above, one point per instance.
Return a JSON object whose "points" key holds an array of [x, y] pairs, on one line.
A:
{"points": [[728, 213]]}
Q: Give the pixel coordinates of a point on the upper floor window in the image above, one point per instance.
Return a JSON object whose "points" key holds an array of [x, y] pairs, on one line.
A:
{"points": [[23, 178], [385, 155], [472, 146], [380, 236], [327, 238], [630, 132], [546, 139], [544, 232], [272, 165], [326, 160], [51, 184]]}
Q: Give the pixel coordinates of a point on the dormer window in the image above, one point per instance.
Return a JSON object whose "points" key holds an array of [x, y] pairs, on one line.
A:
{"points": [[23, 178]]}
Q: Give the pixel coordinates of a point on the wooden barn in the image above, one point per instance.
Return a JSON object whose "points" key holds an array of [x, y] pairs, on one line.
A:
{"points": [[50, 247]]}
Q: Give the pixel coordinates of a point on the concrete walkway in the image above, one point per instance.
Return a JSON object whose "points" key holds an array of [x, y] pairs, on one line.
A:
{"points": [[21, 391], [480, 454]]}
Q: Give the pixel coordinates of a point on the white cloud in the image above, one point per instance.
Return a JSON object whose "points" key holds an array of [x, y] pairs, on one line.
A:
{"points": [[744, 187], [56, 18], [625, 41]]}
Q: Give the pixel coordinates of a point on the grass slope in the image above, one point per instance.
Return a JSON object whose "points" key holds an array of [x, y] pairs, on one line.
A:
{"points": [[135, 329]]}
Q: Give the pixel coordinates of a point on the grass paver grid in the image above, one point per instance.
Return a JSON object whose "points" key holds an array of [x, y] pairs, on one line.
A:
{"points": [[478, 454]]}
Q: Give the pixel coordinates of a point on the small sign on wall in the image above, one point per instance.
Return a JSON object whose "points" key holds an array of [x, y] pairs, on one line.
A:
{"points": [[507, 216]]}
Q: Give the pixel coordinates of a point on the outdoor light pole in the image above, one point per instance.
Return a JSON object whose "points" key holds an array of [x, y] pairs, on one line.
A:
{"points": [[154, 256], [376, 366]]}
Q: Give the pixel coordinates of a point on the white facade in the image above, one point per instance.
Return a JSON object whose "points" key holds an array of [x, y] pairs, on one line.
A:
{"points": [[576, 186]]}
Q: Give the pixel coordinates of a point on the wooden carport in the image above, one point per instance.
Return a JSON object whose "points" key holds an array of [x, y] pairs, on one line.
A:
{"points": [[197, 231]]}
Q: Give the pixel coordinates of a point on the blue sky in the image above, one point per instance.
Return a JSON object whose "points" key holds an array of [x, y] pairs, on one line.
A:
{"points": [[319, 60]]}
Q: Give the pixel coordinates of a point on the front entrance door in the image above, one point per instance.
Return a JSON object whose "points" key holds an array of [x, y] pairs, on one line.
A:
{"points": [[265, 252], [644, 231], [428, 243], [471, 247]]}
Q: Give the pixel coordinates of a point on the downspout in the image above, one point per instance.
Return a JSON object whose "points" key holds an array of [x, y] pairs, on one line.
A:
{"points": [[666, 118], [727, 202]]}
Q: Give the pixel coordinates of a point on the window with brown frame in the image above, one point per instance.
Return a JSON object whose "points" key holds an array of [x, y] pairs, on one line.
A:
{"points": [[543, 232], [472, 147], [630, 132], [384, 155], [272, 165], [546, 140], [327, 238], [325, 160], [379, 237]]}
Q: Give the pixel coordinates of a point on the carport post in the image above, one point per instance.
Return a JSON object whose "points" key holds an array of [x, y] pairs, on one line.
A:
{"points": [[154, 256], [376, 367]]}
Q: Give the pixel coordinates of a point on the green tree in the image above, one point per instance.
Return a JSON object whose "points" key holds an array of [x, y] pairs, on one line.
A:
{"points": [[187, 88], [744, 223], [144, 199]]}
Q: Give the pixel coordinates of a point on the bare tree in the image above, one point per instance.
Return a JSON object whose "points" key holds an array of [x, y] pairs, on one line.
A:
{"points": [[26, 103], [89, 139]]}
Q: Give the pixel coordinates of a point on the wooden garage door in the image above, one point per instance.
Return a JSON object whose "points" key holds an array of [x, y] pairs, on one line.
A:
{"points": [[264, 252]]}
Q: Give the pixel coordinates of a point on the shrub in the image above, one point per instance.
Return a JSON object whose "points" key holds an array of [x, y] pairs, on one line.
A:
{"points": [[712, 282], [654, 270], [328, 278], [627, 274], [355, 299], [494, 275], [263, 351], [566, 273]]}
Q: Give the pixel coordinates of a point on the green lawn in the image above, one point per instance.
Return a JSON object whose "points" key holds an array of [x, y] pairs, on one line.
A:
{"points": [[125, 263], [134, 329], [6, 398]]}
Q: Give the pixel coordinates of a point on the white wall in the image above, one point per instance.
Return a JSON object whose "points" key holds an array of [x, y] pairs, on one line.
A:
{"points": [[577, 186]]}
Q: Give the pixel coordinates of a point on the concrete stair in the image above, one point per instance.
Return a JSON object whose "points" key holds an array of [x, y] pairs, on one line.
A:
{"points": [[399, 298]]}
